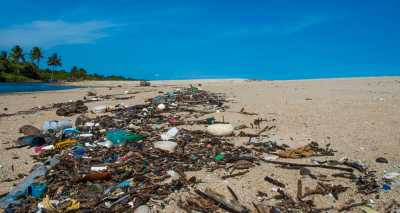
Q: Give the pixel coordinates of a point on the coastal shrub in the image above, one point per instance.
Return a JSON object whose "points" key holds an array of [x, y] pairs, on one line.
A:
{"points": [[14, 67], [11, 77]]}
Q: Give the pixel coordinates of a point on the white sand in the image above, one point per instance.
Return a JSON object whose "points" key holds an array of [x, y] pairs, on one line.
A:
{"points": [[360, 117]]}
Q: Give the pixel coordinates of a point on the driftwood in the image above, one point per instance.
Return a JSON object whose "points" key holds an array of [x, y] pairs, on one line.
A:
{"points": [[234, 175], [348, 207], [345, 175], [246, 134], [299, 165], [233, 193], [299, 189], [324, 189], [260, 209], [242, 111], [274, 181], [229, 205]]}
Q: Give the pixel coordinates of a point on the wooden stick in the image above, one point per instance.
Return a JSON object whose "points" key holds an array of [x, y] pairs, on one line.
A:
{"points": [[234, 175], [299, 189], [260, 209], [274, 181], [229, 206], [345, 208], [233, 193], [308, 165]]}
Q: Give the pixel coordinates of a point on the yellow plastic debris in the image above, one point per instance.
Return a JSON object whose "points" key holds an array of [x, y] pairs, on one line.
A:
{"points": [[64, 144], [47, 204], [301, 152], [74, 205]]}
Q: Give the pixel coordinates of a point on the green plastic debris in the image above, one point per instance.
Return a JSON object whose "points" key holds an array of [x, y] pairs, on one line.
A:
{"points": [[193, 157], [219, 157], [170, 95], [119, 136], [210, 120], [193, 88]]}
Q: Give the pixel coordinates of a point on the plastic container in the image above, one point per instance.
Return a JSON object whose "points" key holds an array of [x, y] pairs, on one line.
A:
{"points": [[161, 107], [56, 125], [386, 187], [31, 140], [100, 109], [86, 135], [70, 131], [120, 137], [219, 157], [210, 120], [98, 168], [194, 89], [37, 190], [170, 134], [220, 129], [120, 185], [169, 146], [78, 151]]}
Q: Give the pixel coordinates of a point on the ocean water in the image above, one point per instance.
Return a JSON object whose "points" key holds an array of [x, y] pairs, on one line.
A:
{"points": [[31, 87]]}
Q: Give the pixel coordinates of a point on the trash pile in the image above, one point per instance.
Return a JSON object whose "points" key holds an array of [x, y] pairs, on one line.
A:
{"points": [[72, 108], [121, 161], [133, 156]]}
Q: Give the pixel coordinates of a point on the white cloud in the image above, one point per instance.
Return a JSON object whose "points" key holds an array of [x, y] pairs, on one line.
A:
{"points": [[53, 33]]}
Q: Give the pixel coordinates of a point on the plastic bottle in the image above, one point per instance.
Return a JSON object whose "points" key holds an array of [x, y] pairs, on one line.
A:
{"points": [[100, 109], [56, 125]]}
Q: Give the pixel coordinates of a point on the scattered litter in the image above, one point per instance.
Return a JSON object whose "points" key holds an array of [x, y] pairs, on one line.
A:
{"points": [[170, 135], [56, 125], [29, 130], [134, 157], [72, 108], [99, 109], [220, 129], [169, 146], [161, 107]]}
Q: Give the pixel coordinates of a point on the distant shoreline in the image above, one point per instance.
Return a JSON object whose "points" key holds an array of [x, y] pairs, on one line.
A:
{"points": [[66, 85], [194, 81]]}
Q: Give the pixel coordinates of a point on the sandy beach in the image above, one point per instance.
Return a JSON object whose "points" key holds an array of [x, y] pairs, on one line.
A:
{"points": [[359, 117]]}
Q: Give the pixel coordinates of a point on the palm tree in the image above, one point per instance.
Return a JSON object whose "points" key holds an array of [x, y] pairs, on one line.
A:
{"points": [[3, 55], [17, 54], [36, 55], [54, 61]]}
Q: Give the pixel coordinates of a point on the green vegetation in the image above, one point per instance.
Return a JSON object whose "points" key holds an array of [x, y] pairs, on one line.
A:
{"points": [[15, 68]]}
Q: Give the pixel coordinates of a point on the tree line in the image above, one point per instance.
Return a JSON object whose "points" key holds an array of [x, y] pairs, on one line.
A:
{"points": [[18, 66]]}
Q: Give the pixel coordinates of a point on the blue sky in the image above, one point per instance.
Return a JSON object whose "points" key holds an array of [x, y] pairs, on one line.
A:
{"points": [[172, 39]]}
